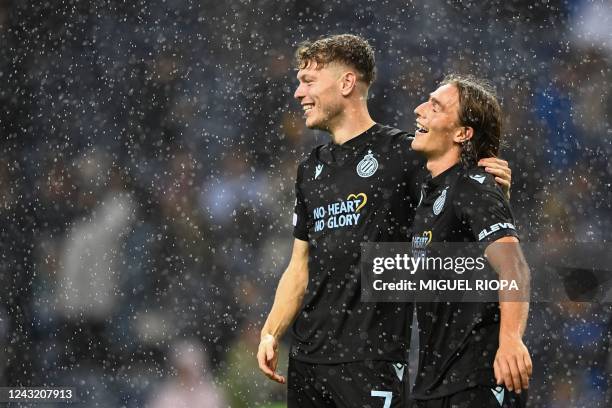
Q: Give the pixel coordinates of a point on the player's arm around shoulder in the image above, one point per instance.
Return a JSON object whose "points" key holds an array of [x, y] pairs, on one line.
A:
{"points": [[287, 303], [481, 202], [512, 365], [500, 169]]}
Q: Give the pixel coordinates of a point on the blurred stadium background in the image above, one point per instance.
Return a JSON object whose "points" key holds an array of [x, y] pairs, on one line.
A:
{"points": [[148, 159]]}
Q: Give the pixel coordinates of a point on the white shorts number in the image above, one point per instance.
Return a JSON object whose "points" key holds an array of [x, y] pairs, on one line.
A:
{"points": [[387, 395]]}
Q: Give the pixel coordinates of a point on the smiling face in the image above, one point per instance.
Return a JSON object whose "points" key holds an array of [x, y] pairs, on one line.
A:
{"points": [[437, 120], [320, 94]]}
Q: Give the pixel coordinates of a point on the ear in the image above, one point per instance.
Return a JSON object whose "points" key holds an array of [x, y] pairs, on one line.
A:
{"points": [[464, 134], [348, 81]]}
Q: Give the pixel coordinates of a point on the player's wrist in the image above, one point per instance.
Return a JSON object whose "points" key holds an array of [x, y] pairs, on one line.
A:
{"points": [[267, 336], [510, 336]]}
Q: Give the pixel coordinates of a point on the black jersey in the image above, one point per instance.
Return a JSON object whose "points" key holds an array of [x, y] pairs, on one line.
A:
{"points": [[458, 341], [361, 191]]}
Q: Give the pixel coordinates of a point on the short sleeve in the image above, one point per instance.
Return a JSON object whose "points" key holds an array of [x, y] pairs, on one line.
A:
{"points": [[481, 205], [300, 213]]}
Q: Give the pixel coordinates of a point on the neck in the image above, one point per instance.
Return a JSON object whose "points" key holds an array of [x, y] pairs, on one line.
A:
{"points": [[354, 121], [439, 164]]}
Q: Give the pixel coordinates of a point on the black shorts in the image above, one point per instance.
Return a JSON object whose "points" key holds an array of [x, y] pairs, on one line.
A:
{"points": [[480, 397], [370, 384]]}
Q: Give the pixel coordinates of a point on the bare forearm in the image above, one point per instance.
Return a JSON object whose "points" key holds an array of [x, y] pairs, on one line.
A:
{"points": [[287, 303], [513, 319], [508, 261], [514, 313]]}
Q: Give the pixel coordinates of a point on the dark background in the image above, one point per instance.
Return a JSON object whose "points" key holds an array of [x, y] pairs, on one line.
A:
{"points": [[148, 158]]}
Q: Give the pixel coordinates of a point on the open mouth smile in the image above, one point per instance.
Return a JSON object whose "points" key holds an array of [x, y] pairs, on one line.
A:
{"points": [[421, 129]]}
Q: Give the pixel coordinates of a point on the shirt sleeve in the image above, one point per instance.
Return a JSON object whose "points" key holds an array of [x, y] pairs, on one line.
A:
{"points": [[300, 213], [482, 206]]}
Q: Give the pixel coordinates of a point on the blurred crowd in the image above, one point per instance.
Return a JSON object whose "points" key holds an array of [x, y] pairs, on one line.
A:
{"points": [[149, 152]]}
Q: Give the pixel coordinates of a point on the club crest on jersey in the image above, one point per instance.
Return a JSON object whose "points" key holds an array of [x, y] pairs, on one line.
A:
{"points": [[318, 170], [367, 166], [439, 203]]}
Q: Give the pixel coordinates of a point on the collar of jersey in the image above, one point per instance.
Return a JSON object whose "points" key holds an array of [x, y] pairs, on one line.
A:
{"points": [[359, 140], [433, 182]]}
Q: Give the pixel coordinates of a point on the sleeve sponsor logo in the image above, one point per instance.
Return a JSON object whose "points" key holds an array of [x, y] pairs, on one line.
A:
{"points": [[494, 228]]}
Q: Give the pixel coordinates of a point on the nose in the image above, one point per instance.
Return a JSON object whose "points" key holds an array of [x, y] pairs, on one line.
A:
{"points": [[418, 111], [299, 92]]}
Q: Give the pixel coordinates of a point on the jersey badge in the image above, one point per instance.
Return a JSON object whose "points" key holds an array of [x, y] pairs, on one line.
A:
{"points": [[399, 370], [318, 170], [439, 203], [479, 179], [367, 166], [499, 394]]}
